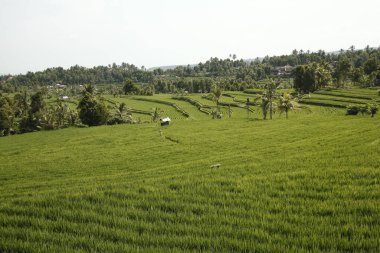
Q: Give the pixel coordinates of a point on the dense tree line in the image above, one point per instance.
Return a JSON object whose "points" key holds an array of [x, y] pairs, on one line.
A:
{"points": [[77, 75], [359, 67], [28, 112], [31, 112]]}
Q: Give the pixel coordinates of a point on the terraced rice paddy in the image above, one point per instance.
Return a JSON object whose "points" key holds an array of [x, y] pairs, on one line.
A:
{"points": [[342, 98], [307, 184]]}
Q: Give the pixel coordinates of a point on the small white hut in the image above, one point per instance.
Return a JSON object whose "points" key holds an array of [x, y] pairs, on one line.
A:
{"points": [[165, 121]]}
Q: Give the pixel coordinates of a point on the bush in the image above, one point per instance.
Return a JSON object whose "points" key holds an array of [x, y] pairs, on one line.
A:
{"points": [[372, 109], [353, 109], [363, 109], [117, 121], [217, 115], [92, 111], [81, 125]]}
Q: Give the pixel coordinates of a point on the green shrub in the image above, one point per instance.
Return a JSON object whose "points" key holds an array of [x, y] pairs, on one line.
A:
{"points": [[363, 109], [353, 109], [372, 109], [115, 121], [216, 114], [92, 111]]}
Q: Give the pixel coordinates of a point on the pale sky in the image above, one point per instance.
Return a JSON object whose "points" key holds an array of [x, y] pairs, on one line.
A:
{"points": [[37, 34]]}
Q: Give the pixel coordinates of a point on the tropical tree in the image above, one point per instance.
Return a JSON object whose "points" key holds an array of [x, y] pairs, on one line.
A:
{"points": [[216, 95], [308, 78], [287, 103], [156, 114], [6, 116], [21, 104], [88, 89], [322, 74], [342, 71], [37, 103], [264, 105], [130, 87], [61, 111], [34, 119], [372, 65], [372, 109], [48, 119], [270, 95], [121, 109], [72, 117], [304, 79], [92, 110], [123, 114]]}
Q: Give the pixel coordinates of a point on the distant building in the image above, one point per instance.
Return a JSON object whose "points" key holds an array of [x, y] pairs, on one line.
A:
{"points": [[282, 71], [60, 86]]}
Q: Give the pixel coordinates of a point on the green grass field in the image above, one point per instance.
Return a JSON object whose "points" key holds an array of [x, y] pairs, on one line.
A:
{"points": [[310, 183]]}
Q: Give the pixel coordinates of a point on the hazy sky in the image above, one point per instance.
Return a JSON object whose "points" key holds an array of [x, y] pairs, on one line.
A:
{"points": [[36, 34]]}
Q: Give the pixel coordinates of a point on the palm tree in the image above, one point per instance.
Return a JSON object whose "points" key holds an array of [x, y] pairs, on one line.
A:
{"points": [[122, 111], [267, 99], [216, 95], [156, 114], [270, 95], [322, 74], [72, 117], [264, 104], [61, 113], [21, 103], [89, 89], [287, 103]]}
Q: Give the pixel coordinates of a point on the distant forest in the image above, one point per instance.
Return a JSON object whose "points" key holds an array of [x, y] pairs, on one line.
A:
{"points": [[358, 67]]}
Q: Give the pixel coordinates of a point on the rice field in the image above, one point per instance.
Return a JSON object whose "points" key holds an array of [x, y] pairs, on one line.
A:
{"points": [[310, 183]]}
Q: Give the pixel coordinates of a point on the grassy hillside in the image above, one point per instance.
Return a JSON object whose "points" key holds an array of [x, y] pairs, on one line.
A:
{"points": [[309, 183]]}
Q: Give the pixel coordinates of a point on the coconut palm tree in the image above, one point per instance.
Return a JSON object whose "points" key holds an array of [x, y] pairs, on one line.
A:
{"points": [[267, 99], [216, 95], [121, 109], [322, 74], [263, 102], [72, 117], [156, 114], [89, 89], [21, 103], [59, 112], [287, 103], [270, 95], [123, 114]]}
